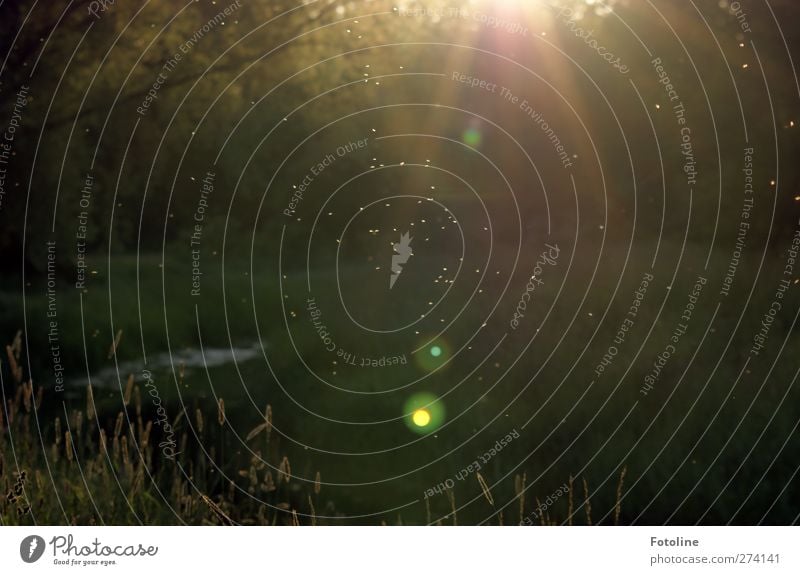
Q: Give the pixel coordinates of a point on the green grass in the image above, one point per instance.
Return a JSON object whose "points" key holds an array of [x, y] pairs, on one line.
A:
{"points": [[568, 448], [100, 466]]}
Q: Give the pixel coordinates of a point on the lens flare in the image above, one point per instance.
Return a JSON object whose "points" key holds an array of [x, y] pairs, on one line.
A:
{"points": [[421, 417], [424, 413], [433, 354], [472, 137]]}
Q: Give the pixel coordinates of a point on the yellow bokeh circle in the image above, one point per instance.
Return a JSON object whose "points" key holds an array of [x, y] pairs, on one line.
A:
{"points": [[421, 417]]}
